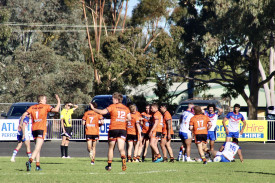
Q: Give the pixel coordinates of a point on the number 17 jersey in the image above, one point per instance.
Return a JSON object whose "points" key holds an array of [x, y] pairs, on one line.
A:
{"points": [[118, 113]]}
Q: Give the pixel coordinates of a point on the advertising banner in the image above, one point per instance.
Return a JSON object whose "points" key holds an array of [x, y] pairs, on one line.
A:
{"points": [[255, 130]]}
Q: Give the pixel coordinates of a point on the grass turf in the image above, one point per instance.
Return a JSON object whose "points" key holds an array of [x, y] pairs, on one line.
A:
{"points": [[80, 170]]}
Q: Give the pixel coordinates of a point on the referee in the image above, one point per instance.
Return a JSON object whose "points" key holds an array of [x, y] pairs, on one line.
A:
{"points": [[66, 123]]}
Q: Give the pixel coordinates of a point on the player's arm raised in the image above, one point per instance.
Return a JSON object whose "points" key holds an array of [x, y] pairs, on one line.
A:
{"points": [[57, 107], [99, 111], [220, 110]]}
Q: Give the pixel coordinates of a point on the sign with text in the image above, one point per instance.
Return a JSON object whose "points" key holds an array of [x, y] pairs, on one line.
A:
{"points": [[255, 130]]}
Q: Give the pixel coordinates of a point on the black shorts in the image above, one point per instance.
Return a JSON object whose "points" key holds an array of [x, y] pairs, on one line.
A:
{"points": [[69, 132], [145, 136], [114, 134], [201, 138], [38, 134], [92, 137], [132, 137]]}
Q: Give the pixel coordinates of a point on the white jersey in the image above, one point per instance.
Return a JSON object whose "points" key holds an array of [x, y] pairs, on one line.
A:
{"points": [[230, 150], [213, 118], [185, 120], [28, 128], [234, 121]]}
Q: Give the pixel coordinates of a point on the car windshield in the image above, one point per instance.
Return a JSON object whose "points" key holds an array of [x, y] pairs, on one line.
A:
{"points": [[18, 110], [183, 107]]}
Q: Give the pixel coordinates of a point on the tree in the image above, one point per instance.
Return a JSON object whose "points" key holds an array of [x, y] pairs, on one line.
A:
{"points": [[40, 71], [214, 40]]}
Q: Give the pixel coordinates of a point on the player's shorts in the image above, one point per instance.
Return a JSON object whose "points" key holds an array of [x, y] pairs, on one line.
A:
{"points": [[114, 134], [233, 134], [185, 136], [211, 135], [92, 138], [201, 138], [156, 134], [224, 159], [131, 138], [69, 132], [145, 136], [38, 134]]}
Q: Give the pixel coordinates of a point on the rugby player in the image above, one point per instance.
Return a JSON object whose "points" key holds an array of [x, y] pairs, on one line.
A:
{"points": [[228, 151], [167, 131], [146, 126], [133, 133], [213, 116], [66, 124], [185, 133], [156, 131], [38, 115], [27, 125], [234, 119], [120, 114], [200, 124]]}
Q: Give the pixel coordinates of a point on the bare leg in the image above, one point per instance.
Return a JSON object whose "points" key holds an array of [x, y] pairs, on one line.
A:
{"points": [[163, 148]]}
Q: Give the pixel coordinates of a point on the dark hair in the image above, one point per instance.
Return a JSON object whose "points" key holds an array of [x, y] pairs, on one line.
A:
{"points": [[211, 105], [94, 104], [235, 140], [164, 105], [66, 103], [237, 105]]}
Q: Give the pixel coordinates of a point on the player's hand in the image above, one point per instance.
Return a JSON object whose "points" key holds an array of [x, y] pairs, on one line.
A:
{"points": [[169, 137], [241, 132], [57, 97], [226, 131], [23, 138], [150, 134]]}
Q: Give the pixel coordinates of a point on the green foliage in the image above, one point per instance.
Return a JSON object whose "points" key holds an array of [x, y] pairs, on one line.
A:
{"points": [[40, 71], [5, 32], [121, 62]]}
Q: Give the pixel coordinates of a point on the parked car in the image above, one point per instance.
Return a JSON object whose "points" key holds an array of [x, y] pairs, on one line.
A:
{"points": [[103, 101], [17, 109], [184, 105]]}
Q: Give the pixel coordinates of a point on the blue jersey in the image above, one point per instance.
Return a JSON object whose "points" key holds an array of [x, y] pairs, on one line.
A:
{"points": [[234, 120], [213, 118]]}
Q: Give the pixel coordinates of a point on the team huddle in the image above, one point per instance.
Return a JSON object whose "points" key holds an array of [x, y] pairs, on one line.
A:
{"points": [[139, 130]]}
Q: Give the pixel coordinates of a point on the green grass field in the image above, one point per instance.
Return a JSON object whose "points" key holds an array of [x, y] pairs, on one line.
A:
{"points": [[80, 170]]}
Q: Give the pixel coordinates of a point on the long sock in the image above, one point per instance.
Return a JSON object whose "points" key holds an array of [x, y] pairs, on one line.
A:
{"points": [[38, 164], [29, 154], [15, 151], [30, 160], [62, 150], [109, 162], [66, 151]]}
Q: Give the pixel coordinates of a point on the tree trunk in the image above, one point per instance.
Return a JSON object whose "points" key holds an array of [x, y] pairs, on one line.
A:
{"points": [[252, 102], [271, 69]]}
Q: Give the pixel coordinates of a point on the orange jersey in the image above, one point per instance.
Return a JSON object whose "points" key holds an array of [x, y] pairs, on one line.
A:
{"points": [[39, 114], [158, 116], [91, 119], [132, 125], [167, 116], [146, 125], [118, 113], [199, 122]]}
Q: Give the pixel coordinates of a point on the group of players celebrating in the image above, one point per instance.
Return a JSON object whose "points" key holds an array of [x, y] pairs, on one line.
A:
{"points": [[139, 130]]}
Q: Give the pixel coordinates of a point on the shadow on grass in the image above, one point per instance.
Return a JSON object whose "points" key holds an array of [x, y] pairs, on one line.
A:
{"points": [[20, 170], [262, 173]]}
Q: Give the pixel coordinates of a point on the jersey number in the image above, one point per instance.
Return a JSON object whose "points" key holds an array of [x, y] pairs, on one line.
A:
{"points": [[91, 119], [200, 123], [36, 114], [120, 114]]}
